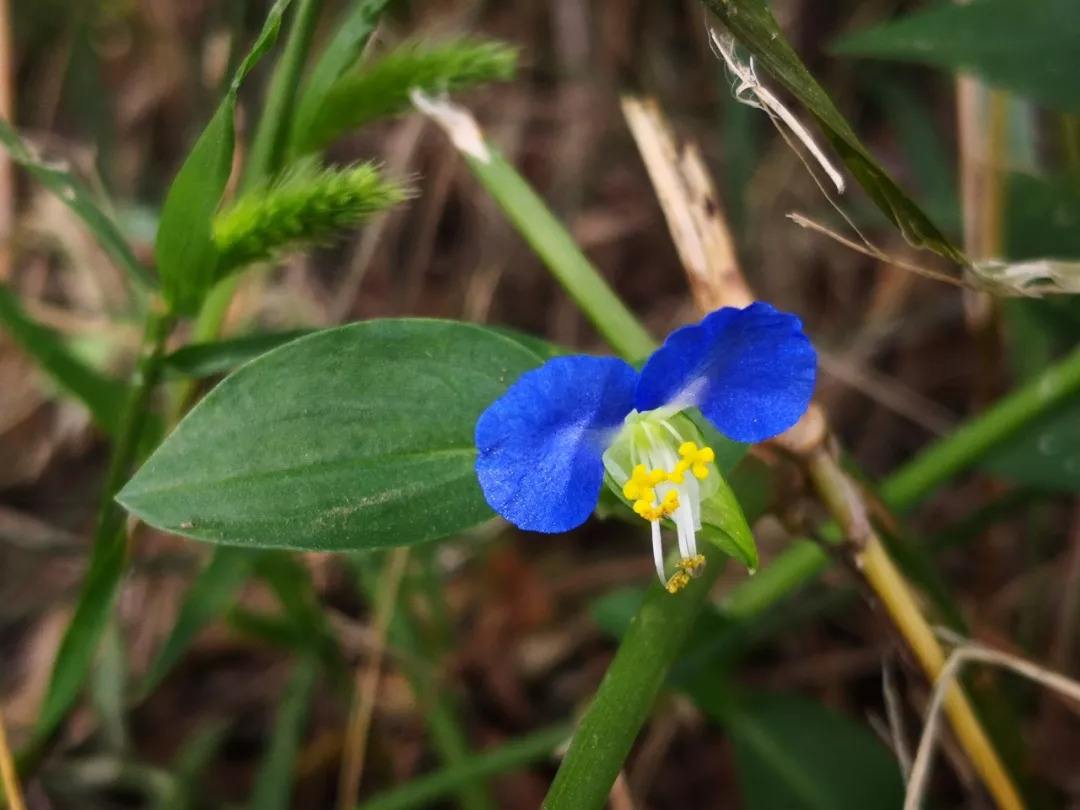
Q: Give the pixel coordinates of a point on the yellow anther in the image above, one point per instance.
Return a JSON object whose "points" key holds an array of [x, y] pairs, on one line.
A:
{"points": [[676, 475], [679, 580], [670, 503], [696, 459], [641, 483], [693, 565]]}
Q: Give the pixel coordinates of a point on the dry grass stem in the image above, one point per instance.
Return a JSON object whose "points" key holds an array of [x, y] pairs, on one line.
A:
{"points": [[968, 652], [691, 206], [8, 776], [367, 683]]}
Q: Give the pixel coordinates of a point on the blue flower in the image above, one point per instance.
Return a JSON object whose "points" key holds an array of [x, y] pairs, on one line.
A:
{"points": [[545, 446]]}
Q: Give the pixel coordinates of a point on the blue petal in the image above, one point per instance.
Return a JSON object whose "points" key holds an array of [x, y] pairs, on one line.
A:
{"points": [[541, 443], [750, 371]]}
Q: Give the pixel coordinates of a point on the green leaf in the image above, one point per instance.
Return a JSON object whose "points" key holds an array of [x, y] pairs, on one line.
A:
{"points": [[1027, 46], [200, 360], [1043, 219], [78, 198], [724, 524], [754, 26], [101, 395], [1045, 455], [383, 88], [344, 51], [207, 598], [185, 251], [797, 754], [350, 438], [273, 785]]}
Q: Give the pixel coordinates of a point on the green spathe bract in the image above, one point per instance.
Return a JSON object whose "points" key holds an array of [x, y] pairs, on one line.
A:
{"points": [[351, 438]]}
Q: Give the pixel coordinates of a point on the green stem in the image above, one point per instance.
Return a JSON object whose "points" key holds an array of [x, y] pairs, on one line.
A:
{"points": [[556, 247], [945, 458], [622, 703], [272, 135], [110, 548], [439, 710], [267, 154], [426, 790]]}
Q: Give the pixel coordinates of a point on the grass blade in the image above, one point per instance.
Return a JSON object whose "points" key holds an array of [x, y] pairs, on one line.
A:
{"points": [[344, 51], [78, 198], [101, 395], [185, 251], [558, 250], [382, 89], [208, 597], [425, 790], [752, 23], [274, 783]]}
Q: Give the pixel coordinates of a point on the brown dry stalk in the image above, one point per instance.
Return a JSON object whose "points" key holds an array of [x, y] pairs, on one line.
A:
{"points": [[7, 113], [812, 445], [690, 204], [8, 777], [367, 683], [943, 691]]}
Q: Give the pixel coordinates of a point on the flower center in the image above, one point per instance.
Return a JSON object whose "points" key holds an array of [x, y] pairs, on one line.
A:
{"points": [[663, 469]]}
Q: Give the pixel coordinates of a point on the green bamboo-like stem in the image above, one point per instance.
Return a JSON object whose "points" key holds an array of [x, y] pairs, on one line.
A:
{"points": [[625, 697], [556, 247], [110, 545], [1052, 387], [272, 134], [868, 553], [425, 790]]}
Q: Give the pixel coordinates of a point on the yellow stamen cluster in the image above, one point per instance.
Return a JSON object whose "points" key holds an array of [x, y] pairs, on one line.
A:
{"points": [[642, 484], [694, 458], [688, 568], [641, 488]]}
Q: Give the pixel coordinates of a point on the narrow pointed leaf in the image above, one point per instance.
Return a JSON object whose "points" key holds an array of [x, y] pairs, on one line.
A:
{"points": [[185, 251], [101, 395], [344, 51], [57, 179], [754, 26]]}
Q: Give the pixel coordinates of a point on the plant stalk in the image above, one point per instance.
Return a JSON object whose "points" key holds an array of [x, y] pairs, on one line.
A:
{"points": [[110, 545], [267, 150], [895, 593], [9, 778], [622, 703], [426, 790]]}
